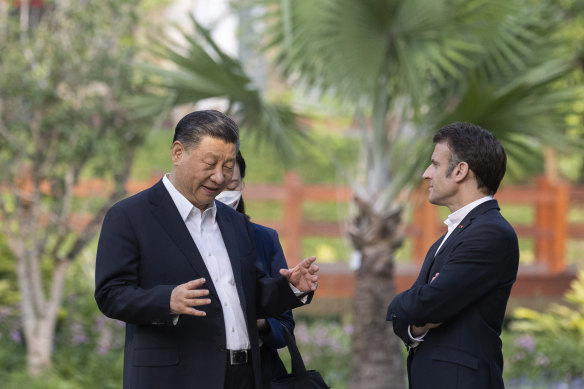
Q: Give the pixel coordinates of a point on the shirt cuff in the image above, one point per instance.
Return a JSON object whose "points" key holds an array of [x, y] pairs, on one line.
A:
{"points": [[415, 342], [302, 296], [175, 319]]}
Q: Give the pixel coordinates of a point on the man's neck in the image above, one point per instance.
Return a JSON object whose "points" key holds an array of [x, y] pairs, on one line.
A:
{"points": [[466, 199]]}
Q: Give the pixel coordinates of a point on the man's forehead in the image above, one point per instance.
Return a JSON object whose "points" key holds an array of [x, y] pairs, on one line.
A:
{"points": [[216, 147], [441, 150]]}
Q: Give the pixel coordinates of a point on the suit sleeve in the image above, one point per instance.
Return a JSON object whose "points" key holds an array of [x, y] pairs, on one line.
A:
{"points": [[117, 290], [484, 259], [276, 261], [273, 295]]}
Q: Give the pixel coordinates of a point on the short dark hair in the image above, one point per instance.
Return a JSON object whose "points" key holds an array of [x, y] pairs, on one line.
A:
{"points": [[192, 127], [241, 164], [479, 148]]}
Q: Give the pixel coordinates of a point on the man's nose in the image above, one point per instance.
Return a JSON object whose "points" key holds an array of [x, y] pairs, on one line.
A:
{"points": [[426, 174], [218, 176]]}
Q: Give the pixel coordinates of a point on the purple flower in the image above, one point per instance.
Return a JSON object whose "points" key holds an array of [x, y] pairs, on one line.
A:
{"points": [[336, 345], [4, 312], [301, 333], [15, 335], [518, 357], [526, 342], [79, 336], [99, 323], [348, 329], [104, 343]]}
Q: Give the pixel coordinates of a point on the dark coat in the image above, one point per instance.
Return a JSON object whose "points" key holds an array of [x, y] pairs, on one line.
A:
{"points": [[478, 265], [145, 251], [272, 259]]}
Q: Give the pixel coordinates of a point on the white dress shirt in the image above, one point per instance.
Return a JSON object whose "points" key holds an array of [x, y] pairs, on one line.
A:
{"points": [[205, 232], [456, 217], [452, 222]]}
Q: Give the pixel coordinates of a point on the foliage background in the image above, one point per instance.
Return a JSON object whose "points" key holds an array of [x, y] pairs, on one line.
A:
{"points": [[88, 347]]}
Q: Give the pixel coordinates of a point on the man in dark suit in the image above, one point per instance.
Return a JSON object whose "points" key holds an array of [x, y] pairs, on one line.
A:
{"points": [[450, 319], [180, 270]]}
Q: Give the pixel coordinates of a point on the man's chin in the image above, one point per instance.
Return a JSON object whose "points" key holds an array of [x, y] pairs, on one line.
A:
{"points": [[433, 201]]}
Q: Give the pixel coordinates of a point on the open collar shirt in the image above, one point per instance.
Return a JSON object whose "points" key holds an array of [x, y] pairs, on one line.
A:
{"points": [[456, 217], [207, 236]]}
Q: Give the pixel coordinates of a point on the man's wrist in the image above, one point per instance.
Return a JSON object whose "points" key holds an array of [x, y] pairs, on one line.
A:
{"points": [[415, 335]]}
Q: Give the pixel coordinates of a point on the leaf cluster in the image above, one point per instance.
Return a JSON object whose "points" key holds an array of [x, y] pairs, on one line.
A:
{"points": [[425, 64], [557, 335], [195, 68]]}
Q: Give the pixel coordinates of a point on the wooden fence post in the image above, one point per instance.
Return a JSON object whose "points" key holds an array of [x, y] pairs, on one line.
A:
{"points": [[292, 218], [425, 218], [543, 222], [559, 226]]}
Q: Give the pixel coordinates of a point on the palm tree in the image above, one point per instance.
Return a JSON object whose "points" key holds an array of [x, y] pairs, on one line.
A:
{"points": [[410, 67], [405, 67]]}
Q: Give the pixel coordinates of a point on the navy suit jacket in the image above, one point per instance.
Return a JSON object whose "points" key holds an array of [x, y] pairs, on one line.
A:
{"points": [[145, 251], [478, 265], [272, 259]]}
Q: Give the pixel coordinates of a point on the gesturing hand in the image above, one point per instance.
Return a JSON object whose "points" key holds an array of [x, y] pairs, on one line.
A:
{"points": [[186, 296], [302, 276]]}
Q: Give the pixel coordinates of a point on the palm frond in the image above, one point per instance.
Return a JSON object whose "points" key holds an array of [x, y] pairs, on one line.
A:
{"points": [[199, 69]]}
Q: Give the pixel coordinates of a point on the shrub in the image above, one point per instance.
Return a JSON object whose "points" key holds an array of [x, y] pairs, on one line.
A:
{"points": [[548, 346]]}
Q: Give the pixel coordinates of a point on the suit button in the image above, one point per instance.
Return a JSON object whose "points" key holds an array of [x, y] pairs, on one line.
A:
{"points": [[221, 348]]}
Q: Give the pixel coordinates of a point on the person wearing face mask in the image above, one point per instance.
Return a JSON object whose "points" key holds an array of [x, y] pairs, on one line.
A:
{"points": [[271, 259]]}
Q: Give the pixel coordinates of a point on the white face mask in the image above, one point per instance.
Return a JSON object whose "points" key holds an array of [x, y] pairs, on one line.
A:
{"points": [[229, 197]]}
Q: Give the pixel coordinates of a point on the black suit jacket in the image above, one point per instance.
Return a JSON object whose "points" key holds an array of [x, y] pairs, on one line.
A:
{"points": [[478, 265], [145, 251], [272, 260]]}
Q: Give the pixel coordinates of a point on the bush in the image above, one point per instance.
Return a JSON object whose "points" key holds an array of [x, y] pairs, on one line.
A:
{"points": [[88, 349], [548, 346], [325, 346]]}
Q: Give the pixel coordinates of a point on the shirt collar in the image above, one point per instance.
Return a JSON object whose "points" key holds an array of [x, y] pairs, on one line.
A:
{"points": [[456, 217], [184, 206]]}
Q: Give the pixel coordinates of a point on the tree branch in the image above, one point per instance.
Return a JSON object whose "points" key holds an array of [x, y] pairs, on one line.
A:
{"points": [[93, 226], [12, 141]]}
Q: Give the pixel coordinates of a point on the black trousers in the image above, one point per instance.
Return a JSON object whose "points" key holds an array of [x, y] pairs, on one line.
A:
{"points": [[239, 376]]}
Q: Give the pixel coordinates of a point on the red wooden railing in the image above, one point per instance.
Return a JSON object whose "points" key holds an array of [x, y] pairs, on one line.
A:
{"points": [[550, 230]]}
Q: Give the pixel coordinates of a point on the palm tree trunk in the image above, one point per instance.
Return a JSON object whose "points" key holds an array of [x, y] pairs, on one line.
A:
{"points": [[377, 353], [377, 358]]}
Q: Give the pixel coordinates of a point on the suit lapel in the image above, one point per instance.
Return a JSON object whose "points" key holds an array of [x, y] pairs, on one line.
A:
{"points": [[167, 215], [430, 258], [444, 253], [230, 238]]}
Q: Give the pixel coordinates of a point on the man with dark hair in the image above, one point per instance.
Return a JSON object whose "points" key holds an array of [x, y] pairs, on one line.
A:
{"points": [[451, 318], [181, 270]]}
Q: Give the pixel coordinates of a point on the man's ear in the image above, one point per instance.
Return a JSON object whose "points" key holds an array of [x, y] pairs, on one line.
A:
{"points": [[461, 172], [176, 152]]}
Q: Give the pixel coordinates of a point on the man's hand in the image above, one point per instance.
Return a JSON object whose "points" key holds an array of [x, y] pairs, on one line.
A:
{"points": [[302, 276], [419, 331], [186, 296], [263, 326]]}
